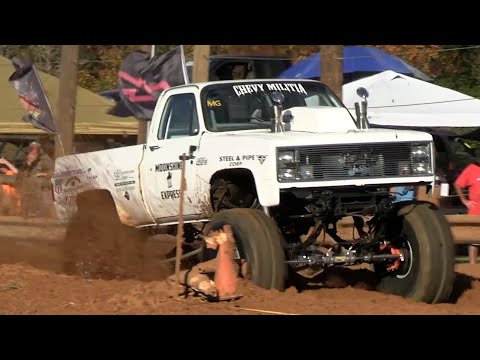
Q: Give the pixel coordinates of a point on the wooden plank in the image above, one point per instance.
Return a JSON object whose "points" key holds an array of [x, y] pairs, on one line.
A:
{"points": [[465, 228], [463, 219], [466, 234]]}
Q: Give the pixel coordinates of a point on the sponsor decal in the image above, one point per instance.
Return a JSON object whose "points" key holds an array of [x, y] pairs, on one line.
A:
{"points": [[214, 103], [170, 194], [73, 182], [66, 200], [125, 188], [90, 176], [119, 175], [68, 173], [168, 166], [124, 183], [201, 161], [58, 187], [261, 158], [238, 160], [242, 90]]}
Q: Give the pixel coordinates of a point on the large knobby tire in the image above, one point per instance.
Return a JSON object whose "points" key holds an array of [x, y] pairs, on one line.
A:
{"points": [[428, 274], [98, 245], [259, 242]]}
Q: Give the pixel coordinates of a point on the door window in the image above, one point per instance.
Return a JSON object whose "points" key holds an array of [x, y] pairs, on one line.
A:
{"points": [[180, 117]]}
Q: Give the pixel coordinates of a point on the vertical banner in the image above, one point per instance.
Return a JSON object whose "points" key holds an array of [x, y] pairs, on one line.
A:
{"points": [[27, 83], [142, 79]]}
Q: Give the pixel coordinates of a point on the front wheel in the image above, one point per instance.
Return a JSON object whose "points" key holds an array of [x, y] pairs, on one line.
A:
{"points": [[428, 272], [259, 243]]}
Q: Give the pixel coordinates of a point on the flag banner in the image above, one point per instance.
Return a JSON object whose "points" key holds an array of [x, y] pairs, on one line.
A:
{"points": [[27, 83], [142, 79]]}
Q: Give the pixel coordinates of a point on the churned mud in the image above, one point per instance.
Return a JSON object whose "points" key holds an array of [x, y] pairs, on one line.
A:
{"points": [[32, 282]]}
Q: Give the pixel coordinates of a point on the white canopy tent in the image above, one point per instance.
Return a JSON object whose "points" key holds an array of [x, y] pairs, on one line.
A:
{"points": [[399, 100]]}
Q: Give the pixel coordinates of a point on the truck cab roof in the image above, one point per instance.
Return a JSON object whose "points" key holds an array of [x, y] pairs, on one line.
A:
{"points": [[201, 85], [222, 67]]}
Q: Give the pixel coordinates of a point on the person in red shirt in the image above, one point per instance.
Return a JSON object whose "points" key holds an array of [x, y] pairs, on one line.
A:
{"points": [[470, 178], [9, 197]]}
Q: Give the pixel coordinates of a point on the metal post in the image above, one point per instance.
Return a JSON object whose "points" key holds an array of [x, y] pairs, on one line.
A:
{"points": [[183, 186]]}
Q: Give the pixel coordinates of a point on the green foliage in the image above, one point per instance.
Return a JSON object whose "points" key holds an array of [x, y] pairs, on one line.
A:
{"points": [[99, 64], [460, 70], [45, 57]]}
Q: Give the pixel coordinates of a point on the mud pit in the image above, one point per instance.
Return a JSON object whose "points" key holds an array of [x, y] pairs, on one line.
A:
{"points": [[31, 282]]}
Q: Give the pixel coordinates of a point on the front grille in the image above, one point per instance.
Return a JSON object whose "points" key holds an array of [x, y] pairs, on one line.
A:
{"points": [[339, 162]]}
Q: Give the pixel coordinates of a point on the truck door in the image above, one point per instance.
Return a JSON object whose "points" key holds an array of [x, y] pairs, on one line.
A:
{"points": [[178, 133]]}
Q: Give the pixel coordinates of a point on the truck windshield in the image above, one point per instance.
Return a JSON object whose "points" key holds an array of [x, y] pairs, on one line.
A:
{"points": [[248, 106]]}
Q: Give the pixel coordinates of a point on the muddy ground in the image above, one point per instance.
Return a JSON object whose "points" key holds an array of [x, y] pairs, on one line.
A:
{"points": [[31, 282]]}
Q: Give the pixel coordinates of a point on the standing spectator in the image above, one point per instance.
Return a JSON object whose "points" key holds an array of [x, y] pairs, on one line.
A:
{"points": [[9, 199], [470, 178], [35, 174]]}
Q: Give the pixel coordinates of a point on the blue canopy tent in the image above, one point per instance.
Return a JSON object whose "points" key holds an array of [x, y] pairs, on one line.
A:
{"points": [[358, 62]]}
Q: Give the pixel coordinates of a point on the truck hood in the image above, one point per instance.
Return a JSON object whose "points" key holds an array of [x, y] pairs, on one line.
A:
{"points": [[321, 125], [318, 119], [256, 138]]}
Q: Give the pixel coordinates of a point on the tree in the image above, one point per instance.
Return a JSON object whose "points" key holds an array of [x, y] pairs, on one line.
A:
{"points": [[45, 57], [458, 69]]}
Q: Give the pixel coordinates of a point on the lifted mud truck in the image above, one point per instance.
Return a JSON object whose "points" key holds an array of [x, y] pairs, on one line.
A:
{"points": [[282, 162]]}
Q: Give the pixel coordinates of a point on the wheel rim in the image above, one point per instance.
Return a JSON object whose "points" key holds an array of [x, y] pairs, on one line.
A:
{"points": [[406, 268]]}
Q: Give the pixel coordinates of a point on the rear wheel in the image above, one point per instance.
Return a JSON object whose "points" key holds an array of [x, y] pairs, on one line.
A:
{"points": [[427, 274], [259, 243]]}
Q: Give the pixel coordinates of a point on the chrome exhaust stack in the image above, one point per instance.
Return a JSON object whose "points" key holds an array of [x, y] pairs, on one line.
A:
{"points": [[277, 121], [361, 109]]}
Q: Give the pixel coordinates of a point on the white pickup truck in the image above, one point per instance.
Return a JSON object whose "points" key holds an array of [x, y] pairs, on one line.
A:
{"points": [[281, 162]]}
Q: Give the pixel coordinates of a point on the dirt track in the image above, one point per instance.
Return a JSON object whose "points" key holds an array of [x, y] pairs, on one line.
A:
{"points": [[31, 283]]}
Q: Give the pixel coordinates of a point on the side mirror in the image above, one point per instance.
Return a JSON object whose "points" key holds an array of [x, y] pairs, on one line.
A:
{"points": [[287, 117], [287, 120]]}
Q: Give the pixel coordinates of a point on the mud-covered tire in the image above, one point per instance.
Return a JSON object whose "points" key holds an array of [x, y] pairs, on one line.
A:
{"points": [[429, 274], [259, 242], [98, 245]]}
